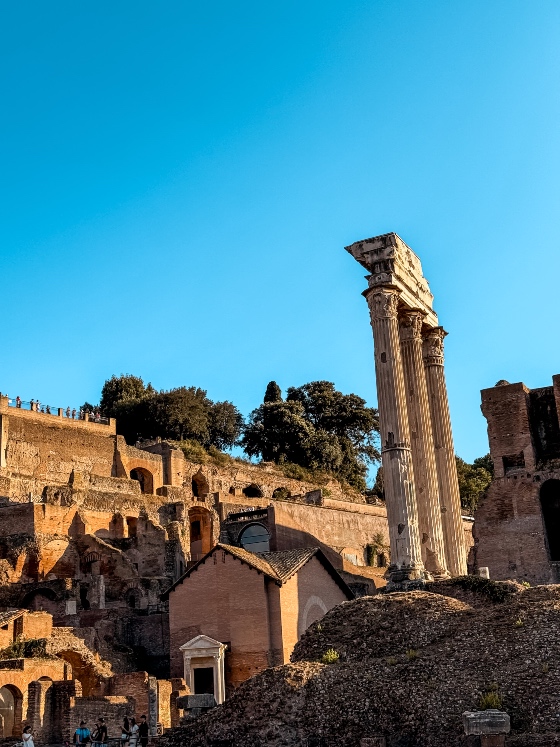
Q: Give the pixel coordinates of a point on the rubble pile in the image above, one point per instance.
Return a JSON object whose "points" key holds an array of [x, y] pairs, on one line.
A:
{"points": [[408, 665]]}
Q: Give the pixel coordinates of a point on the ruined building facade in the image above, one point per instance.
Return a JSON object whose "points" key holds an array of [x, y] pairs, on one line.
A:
{"points": [[418, 457], [517, 524]]}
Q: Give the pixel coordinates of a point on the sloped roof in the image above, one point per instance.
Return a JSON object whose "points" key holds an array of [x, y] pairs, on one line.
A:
{"points": [[7, 616], [288, 562], [278, 566]]}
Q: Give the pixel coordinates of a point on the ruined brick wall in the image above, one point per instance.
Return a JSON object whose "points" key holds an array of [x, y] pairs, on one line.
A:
{"points": [[334, 525], [509, 531], [44, 449]]}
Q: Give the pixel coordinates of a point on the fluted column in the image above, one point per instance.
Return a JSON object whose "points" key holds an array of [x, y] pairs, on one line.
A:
{"points": [[422, 443], [398, 473], [452, 522]]}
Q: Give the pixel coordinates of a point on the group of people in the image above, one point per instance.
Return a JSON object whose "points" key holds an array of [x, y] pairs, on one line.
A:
{"points": [[133, 734], [36, 406]]}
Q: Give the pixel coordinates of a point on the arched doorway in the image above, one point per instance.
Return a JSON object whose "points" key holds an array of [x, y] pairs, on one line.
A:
{"points": [[10, 710], [200, 486], [145, 478], [252, 491], [200, 524], [550, 506], [44, 600], [255, 538]]}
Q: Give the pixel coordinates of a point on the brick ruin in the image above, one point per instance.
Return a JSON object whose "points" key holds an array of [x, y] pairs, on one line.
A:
{"points": [[93, 532], [517, 524]]}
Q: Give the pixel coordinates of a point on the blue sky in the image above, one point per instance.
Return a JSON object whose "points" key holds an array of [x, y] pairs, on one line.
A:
{"points": [[179, 180]]}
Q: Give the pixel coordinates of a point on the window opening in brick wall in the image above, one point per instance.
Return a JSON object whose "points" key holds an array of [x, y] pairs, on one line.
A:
{"points": [[550, 505], [255, 538]]}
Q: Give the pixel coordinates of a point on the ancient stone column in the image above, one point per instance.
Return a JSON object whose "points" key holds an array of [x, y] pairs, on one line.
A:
{"points": [[406, 567], [451, 520], [423, 454]]}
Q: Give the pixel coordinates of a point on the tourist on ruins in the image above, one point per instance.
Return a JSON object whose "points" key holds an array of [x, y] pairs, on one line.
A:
{"points": [[74, 414], [134, 728], [143, 732], [82, 735], [125, 735], [27, 737], [18, 401], [67, 412], [99, 736], [48, 409]]}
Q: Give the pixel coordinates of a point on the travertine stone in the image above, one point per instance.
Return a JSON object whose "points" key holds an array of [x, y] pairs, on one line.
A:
{"points": [[423, 455], [445, 452], [398, 472], [396, 272], [490, 721]]}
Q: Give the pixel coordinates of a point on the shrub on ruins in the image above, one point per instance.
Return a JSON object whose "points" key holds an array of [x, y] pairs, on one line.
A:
{"points": [[181, 414], [474, 480], [316, 427]]}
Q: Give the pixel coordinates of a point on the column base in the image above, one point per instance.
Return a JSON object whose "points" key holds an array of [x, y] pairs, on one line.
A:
{"points": [[407, 579]]}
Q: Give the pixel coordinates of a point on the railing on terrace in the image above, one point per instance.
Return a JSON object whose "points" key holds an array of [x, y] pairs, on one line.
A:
{"points": [[72, 413]]}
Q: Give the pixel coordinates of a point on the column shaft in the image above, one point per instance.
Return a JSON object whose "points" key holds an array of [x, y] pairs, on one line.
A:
{"points": [[422, 444], [398, 472], [452, 522]]}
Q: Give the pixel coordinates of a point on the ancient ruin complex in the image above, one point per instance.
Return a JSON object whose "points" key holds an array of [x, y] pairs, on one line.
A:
{"points": [[418, 457], [517, 524]]}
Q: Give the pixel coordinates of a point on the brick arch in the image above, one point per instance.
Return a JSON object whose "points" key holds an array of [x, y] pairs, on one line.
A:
{"points": [[201, 525], [253, 491]]}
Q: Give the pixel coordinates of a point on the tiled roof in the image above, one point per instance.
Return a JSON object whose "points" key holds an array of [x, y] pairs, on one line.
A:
{"points": [[7, 615], [278, 566], [287, 562]]}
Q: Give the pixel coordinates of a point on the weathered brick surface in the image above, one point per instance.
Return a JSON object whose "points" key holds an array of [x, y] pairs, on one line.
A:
{"points": [[509, 532]]}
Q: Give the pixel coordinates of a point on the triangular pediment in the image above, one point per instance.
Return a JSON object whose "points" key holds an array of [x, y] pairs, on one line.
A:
{"points": [[201, 642]]}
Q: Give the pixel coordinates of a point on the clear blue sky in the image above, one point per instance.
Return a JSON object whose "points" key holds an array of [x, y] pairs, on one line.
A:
{"points": [[179, 180]]}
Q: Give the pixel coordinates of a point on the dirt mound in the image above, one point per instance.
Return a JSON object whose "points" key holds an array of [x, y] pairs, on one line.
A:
{"points": [[365, 628], [506, 655]]}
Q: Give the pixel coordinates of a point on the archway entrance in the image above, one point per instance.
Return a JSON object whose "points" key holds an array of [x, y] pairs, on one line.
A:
{"points": [[145, 478], [10, 710], [550, 506], [200, 523]]}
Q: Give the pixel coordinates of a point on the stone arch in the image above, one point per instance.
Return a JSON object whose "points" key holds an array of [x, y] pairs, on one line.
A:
{"points": [[201, 531], [255, 538], [314, 610], [550, 507], [144, 477], [83, 668], [253, 491], [199, 484], [11, 708], [41, 599]]}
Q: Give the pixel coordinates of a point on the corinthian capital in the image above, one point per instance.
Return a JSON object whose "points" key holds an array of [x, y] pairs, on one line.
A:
{"points": [[433, 346], [410, 325], [383, 304]]}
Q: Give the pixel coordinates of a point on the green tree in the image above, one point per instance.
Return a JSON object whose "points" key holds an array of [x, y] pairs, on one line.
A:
{"points": [[123, 388], [473, 482], [273, 392], [317, 427], [183, 413]]}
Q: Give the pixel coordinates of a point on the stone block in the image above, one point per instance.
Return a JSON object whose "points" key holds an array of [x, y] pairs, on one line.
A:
{"points": [[490, 721], [203, 700]]}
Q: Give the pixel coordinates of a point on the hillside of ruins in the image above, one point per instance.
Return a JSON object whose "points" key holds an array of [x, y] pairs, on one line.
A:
{"points": [[236, 602]]}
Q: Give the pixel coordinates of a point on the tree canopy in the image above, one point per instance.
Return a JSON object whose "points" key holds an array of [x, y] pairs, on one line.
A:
{"points": [[474, 479], [316, 427], [178, 414]]}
